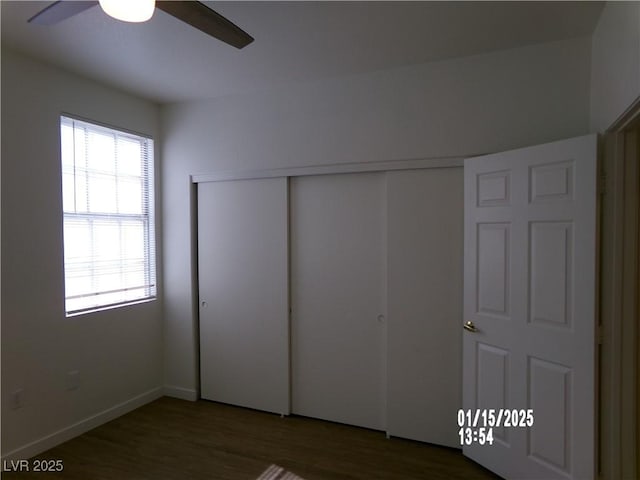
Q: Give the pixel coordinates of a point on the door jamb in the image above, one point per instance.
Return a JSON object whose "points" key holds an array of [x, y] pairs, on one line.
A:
{"points": [[619, 422]]}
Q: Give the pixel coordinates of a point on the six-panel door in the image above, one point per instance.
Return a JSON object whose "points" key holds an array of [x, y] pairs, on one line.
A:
{"points": [[530, 256]]}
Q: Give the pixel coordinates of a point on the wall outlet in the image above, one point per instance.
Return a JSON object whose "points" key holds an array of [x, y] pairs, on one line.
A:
{"points": [[73, 380], [17, 398]]}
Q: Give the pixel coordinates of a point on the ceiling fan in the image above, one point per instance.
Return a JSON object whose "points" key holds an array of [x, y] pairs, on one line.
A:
{"points": [[196, 14]]}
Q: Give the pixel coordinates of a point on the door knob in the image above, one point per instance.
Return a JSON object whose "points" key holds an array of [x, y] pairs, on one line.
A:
{"points": [[470, 326]]}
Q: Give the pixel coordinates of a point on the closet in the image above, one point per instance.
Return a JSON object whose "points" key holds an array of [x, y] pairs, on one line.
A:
{"points": [[335, 296]]}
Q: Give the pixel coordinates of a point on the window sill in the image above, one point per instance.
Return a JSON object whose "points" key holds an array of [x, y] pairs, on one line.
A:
{"points": [[109, 307]]}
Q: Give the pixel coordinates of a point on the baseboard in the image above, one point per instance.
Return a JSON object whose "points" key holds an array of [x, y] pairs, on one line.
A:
{"points": [[180, 392], [65, 434]]}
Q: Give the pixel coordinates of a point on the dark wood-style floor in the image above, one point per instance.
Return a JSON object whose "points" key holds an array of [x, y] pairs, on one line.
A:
{"points": [[176, 439]]}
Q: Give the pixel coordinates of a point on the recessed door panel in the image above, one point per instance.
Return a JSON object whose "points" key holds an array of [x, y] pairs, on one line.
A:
{"points": [[552, 182], [550, 396], [493, 269], [493, 382], [551, 273], [493, 189]]}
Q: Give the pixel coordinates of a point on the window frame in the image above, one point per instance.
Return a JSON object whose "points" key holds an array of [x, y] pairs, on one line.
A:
{"points": [[146, 217]]}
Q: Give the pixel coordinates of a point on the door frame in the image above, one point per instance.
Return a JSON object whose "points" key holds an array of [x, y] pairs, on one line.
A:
{"points": [[619, 422]]}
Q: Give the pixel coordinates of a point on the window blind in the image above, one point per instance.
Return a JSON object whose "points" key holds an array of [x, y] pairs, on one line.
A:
{"points": [[109, 235]]}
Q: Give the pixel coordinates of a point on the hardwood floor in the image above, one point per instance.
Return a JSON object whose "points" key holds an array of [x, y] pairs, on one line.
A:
{"points": [[176, 439]]}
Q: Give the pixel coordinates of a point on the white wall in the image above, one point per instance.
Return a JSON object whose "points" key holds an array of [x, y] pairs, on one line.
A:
{"points": [[473, 105], [118, 353], [615, 69]]}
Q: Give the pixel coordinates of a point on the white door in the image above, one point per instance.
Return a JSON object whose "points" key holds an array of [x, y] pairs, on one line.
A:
{"points": [[424, 284], [243, 276], [529, 291], [337, 293]]}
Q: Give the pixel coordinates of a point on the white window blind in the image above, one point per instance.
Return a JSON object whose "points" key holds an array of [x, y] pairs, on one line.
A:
{"points": [[109, 239]]}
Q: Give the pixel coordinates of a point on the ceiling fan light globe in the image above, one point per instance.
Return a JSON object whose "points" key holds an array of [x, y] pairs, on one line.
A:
{"points": [[129, 10]]}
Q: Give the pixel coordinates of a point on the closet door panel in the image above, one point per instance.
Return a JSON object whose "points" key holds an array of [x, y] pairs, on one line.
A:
{"points": [[243, 280], [425, 251], [337, 288]]}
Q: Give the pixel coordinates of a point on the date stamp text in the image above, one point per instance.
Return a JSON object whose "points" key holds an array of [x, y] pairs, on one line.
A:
{"points": [[477, 426]]}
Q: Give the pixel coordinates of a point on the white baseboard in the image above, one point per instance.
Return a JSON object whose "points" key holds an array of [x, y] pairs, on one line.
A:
{"points": [[180, 392], [67, 433]]}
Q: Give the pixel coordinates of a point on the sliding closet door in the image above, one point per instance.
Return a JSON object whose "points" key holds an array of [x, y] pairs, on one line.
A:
{"points": [[337, 288], [425, 238], [243, 275]]}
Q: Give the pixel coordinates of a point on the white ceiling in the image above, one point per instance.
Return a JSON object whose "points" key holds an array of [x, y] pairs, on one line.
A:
{"points": [[165, 60]]}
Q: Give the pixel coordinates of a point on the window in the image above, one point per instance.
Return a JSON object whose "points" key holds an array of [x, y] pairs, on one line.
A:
{"points": [[107, 200]]}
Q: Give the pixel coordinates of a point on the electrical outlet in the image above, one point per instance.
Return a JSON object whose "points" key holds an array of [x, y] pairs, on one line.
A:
{"points": [[73, 380], [17, 399]]}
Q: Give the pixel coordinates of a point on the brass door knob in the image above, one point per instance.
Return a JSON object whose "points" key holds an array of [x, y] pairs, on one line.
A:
{"points": [[470, 326]]}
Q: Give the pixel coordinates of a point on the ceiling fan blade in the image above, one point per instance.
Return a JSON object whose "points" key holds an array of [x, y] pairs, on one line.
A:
{"points": [[59, 11], [200, 16]]}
